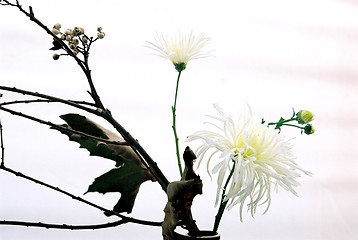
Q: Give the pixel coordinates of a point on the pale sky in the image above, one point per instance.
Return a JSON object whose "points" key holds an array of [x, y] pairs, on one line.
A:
{"points": [[274, 55]]}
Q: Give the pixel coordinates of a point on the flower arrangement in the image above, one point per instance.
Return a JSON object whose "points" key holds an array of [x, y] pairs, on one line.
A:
{"points": [[248, 155]]}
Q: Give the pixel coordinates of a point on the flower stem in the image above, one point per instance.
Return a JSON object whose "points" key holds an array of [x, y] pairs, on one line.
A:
{"points": [[174, 126], [223, 202], [282, 121]]}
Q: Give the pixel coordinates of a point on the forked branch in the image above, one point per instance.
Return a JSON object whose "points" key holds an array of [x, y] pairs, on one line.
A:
{"points": [[106, 211]]}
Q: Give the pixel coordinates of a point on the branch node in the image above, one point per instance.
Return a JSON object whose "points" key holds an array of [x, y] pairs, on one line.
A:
{"points": [[32, 15]]}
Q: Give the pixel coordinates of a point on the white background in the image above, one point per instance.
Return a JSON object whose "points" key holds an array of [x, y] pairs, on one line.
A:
{"points": [[273, 54]]}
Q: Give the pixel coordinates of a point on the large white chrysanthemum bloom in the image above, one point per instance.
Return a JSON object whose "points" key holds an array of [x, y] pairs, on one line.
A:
{"points": [[257, 156], [180, 49]]}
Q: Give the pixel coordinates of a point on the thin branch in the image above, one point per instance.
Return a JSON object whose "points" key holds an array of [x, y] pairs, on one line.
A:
{"points": [[60, 128], [43, 101], [64, 226], [83, 64], [44, 27], [106, 211], [2, 146], [105, 113], [152, 166], [55, 99]]}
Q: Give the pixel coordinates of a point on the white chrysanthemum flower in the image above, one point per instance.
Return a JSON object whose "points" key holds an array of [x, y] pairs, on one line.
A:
{"points": [[180, 49], [258, 157]]}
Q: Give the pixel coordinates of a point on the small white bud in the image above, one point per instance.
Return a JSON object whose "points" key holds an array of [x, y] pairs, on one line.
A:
{"points": [[57, 26], [84, 39], [99, 29], [100, 35], [55, 31], [63, 37], [78, 31], [72, 46], [75, 41], [68, 32], [68, 38]]}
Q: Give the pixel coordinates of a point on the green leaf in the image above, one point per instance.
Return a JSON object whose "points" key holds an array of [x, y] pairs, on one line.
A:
{"points": [[129, 173]]}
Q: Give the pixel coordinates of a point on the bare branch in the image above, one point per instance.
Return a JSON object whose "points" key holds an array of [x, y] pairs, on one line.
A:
{"points": [[60, 128], [106, 211], [48, 97], [83, 64], [152, 166], [43, 101], [2, 146], [63, 226]]}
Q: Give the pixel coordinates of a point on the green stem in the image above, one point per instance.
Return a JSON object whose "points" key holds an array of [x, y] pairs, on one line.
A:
{"points": [[282, 122], [223, 202], [291, 125], [174, 126]]}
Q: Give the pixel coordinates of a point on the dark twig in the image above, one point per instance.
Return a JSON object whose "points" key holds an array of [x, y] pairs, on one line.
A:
{"points": [[42, 101], [51, 98], [60, 128], [152, 166], [110, 212], [83, 64], [105, 114], [2, 146], [64, 226]]}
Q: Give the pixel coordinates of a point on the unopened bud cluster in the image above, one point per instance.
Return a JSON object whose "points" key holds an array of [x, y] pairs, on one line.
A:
{"points": [[73, 37], [302, 117], [100, 34]]}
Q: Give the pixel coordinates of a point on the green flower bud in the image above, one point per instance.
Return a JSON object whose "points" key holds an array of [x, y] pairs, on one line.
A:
{"points": [[55, 56], [304, 116], [309, 129]]}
